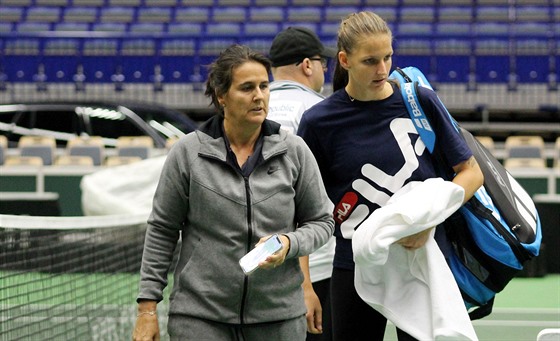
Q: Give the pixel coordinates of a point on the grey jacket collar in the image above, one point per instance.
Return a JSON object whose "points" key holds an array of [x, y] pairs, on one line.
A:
{"points": [[210, 135]]}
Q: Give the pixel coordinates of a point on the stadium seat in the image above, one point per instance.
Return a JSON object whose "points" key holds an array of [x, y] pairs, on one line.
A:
{"points": [[185, 29], [532, 60], [388, 13], [42, 14], [109, 27], [245, 3], [115, 15], [452, 60], [417, 14], [154, 15], [19, 160], [57, 3], [11, 14], [493, 63], [229, 15], [252, 29], [124, 3], [304, 14], [344, 2], [455, 14], [161, 3], [6, 27], [23, 3], [223, 29], [271, 2], [266, 14], [21, 58], [177, 60], [91, 147], [114, 160], [537, 14], [32, 27], [134, 146], [72, 27], [208, 3], [393, 3], [405, 3], [137, 63], [59, 59], [78, 14], [88, 3], [492, 13], [3, 148], [299, 3], [336, 14], [192, 15], [41, 146], [522, 162], [527, 146], [146, 28], [69, 160], [99, 59]]}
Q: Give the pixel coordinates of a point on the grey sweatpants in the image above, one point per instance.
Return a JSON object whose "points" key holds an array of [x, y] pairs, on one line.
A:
{"points": [[186, 328]]}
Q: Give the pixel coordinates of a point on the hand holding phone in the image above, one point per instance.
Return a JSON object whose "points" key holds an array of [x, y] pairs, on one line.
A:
{"points": [[250, 262]]}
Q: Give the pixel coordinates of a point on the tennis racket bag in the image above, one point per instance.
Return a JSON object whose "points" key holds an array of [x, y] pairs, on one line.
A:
{"points": [[496, 231]]}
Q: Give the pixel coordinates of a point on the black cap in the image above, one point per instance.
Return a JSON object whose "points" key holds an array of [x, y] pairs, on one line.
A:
{"points": [[294, 44]]}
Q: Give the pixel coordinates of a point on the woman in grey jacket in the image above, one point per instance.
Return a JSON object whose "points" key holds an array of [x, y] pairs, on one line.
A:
{"points": [[232, 184]]}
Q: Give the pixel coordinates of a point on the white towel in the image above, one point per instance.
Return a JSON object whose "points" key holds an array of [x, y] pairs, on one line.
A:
{"points": [[413, 289]]}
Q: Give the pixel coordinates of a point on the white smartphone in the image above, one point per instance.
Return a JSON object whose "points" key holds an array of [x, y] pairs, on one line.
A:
{"points": [[250, 262]]}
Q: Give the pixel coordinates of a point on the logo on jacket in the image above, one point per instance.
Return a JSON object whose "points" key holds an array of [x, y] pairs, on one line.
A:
{"points": [[272, 169]]}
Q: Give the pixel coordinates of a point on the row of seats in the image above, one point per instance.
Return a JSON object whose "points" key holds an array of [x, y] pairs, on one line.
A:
{"points": [[523, 151], [110, 14], [80, 151]]}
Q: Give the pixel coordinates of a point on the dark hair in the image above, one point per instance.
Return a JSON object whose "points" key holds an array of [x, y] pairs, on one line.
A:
{"points": [[221, 70], [351, 30]]}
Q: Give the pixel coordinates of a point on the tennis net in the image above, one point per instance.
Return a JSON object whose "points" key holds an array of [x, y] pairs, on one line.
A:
{"points": [[69, 278]]}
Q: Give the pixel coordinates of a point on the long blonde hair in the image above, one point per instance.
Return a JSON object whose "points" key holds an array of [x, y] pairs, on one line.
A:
{"points": [[352, 28]]}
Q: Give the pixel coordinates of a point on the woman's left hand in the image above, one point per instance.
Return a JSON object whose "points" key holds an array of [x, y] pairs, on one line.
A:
{"points": [[277, 258]]}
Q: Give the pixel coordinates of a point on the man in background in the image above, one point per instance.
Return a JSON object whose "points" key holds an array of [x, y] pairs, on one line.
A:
{"points": [[299, 62]]}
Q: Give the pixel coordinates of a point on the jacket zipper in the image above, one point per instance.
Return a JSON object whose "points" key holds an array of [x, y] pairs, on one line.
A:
{"points": [[249, 238]]}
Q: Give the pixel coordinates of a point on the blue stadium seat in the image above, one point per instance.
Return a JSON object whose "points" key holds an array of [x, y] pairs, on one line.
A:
{"points": [[124, 3], [417, 14], [259, 45], [161, 3], [388, 13], [229, 14], [11, 14], [448, 29], [177, 60], [245, 3], [255, 29], [223, 29], [32, 27], [109, 27], [21, 59], [116, 15], [100, 59], [452, 60], [344, 2], [192, 15], [532, 60], [138, 60], [80, 14], [414, 51], [43, 14], [22, 3], [266, 14], [154, 15], [88, 3], [59, 58], [493, 63], [184, 28], [57, 3], [492, 13], [271, 2], [405, 3], [72, 27], [537, 14], [328, 30], [6, 27], [336, 14], [208, 3], [146, 28], [304, 14], [298, 3], [455, 14]]}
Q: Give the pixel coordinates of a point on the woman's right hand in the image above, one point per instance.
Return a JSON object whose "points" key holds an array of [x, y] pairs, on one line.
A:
{"points": [[147, 326]]}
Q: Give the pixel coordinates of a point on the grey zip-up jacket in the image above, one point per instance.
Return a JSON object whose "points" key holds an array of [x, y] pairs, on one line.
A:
{"points": [[220, 216]]}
